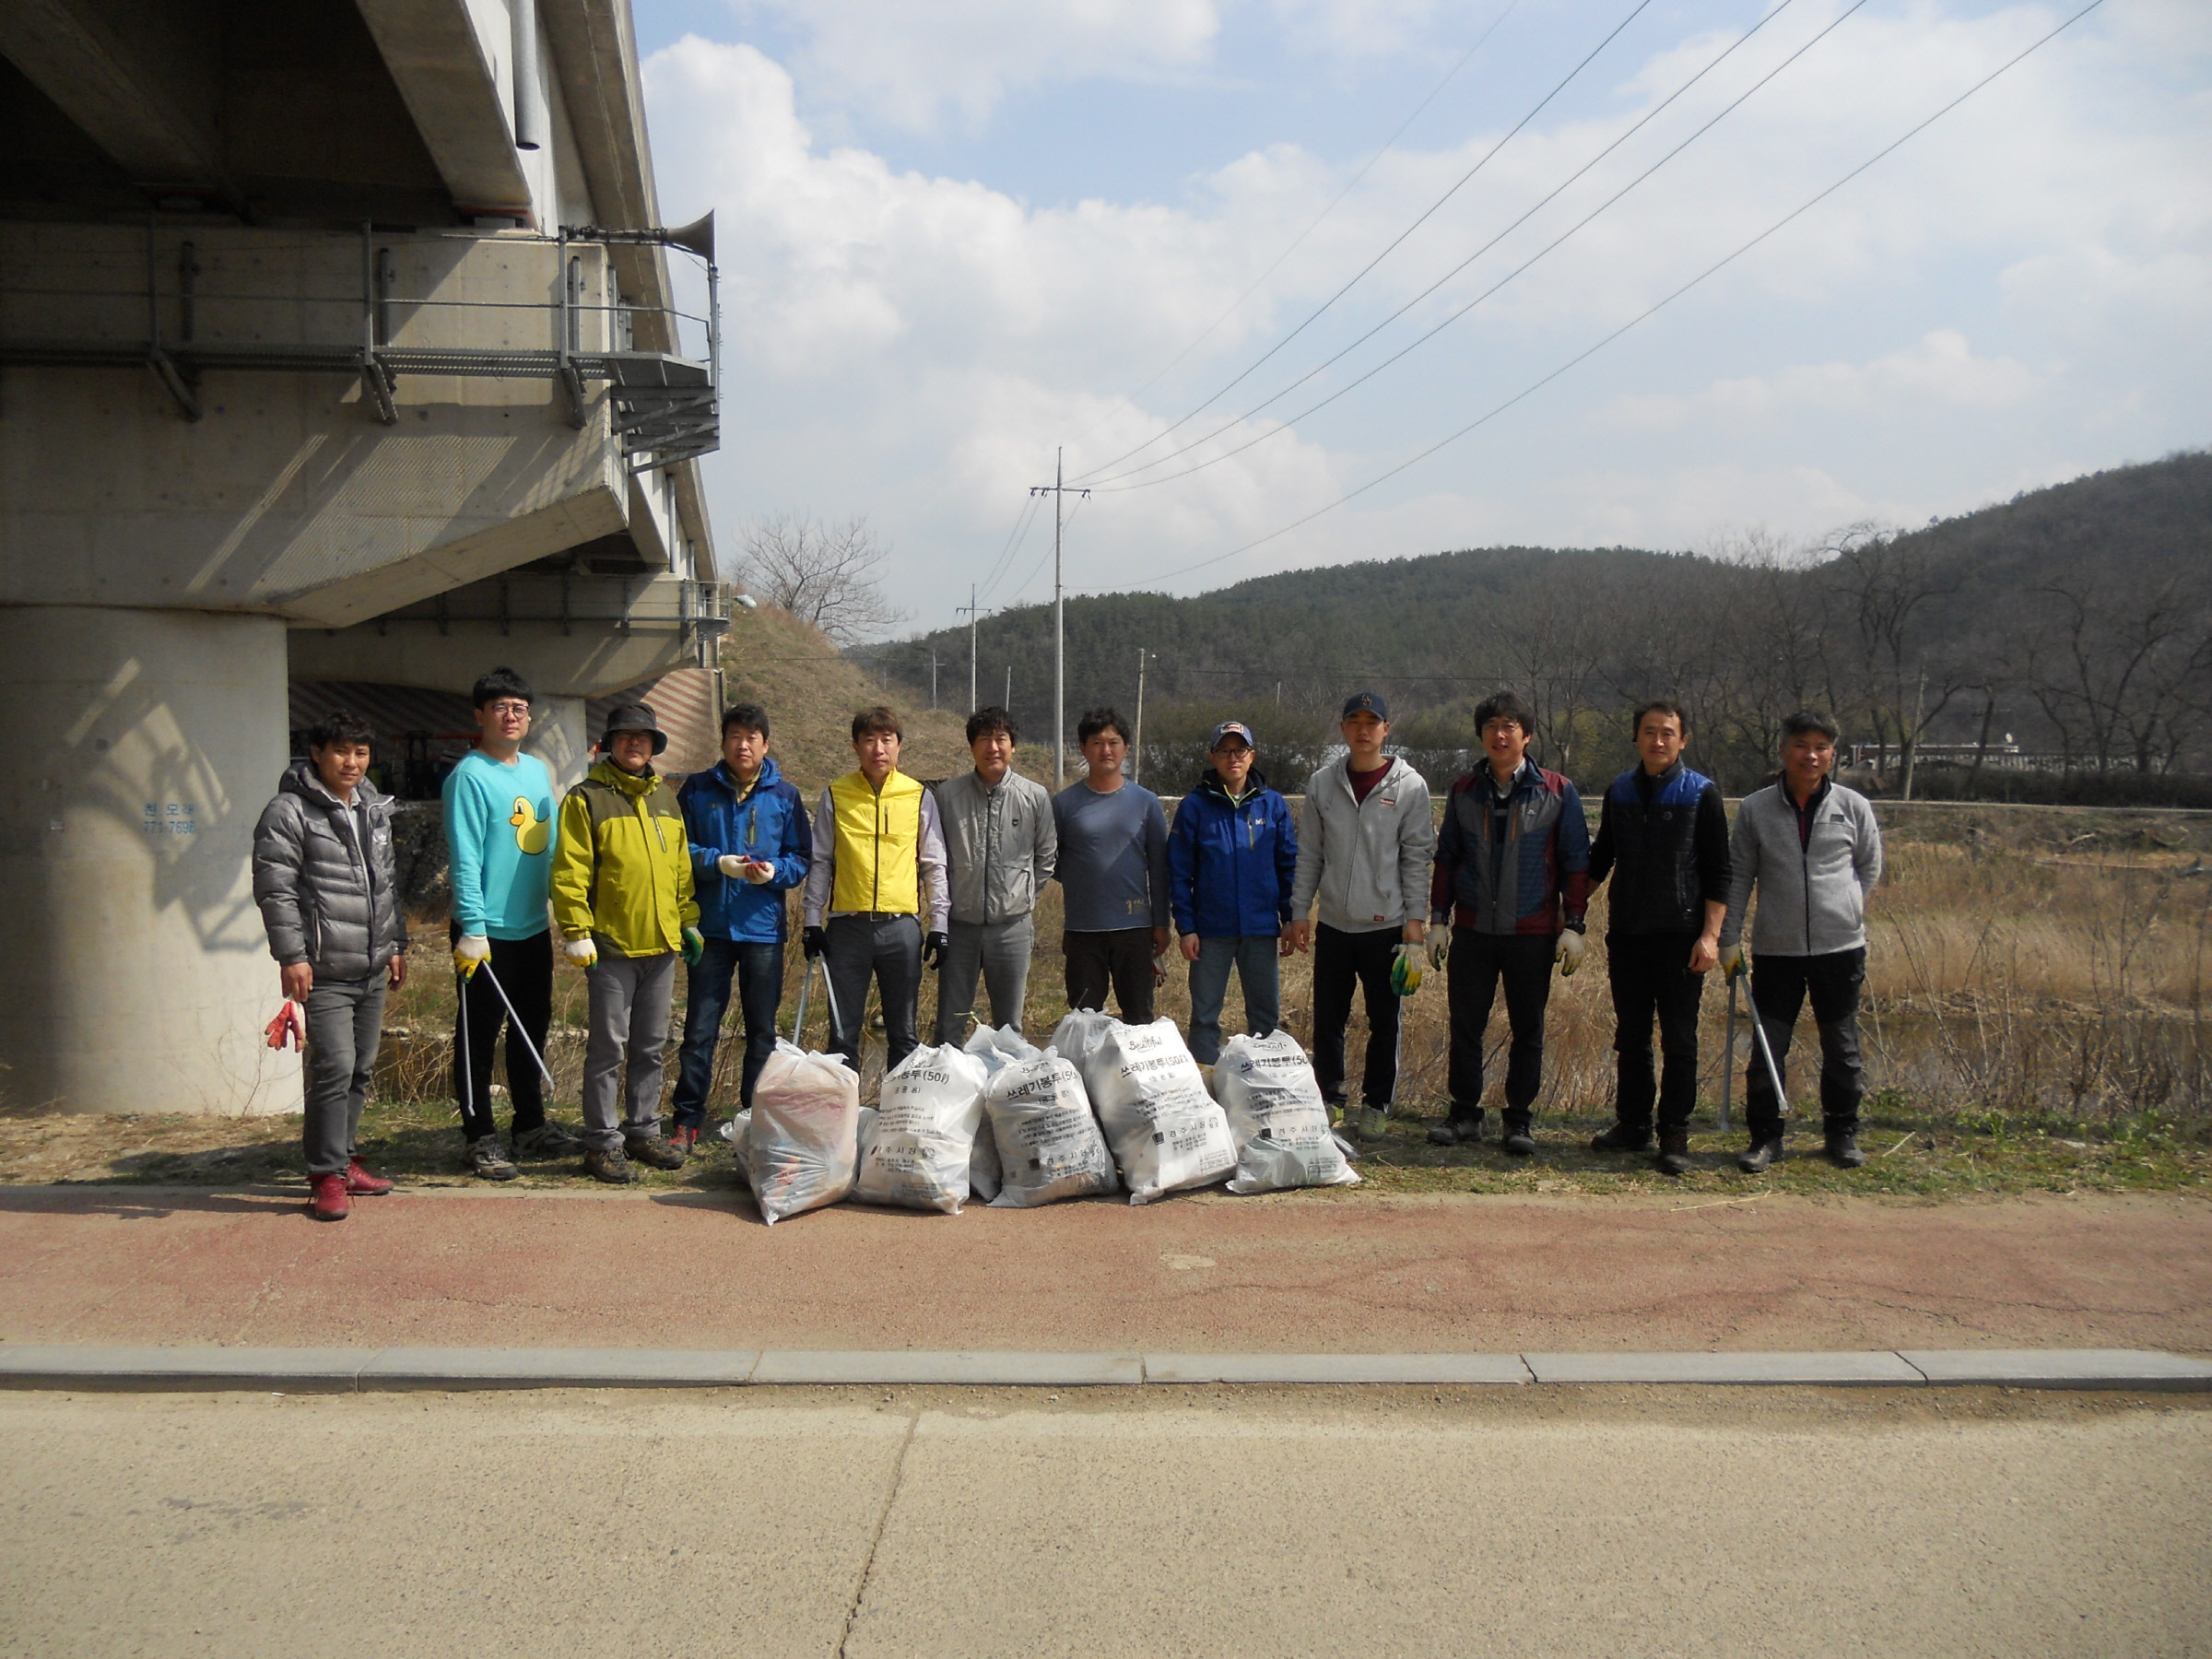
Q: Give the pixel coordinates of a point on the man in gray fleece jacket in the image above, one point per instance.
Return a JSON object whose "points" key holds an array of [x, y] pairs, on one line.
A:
{"points": [[1814, 851]]}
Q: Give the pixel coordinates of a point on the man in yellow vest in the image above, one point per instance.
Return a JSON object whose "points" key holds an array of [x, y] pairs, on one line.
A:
{"points": [[876, 836]]}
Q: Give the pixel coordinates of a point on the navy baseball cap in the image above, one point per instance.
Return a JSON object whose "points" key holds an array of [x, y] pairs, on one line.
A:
{"points": [[1231, 728], [1365, 702]]}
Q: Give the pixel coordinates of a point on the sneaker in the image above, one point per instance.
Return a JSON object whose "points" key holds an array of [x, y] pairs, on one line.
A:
{"points": [[547, 1140], [362, 1184], [1625, 1138], [683, 1138], [1372, 1121], [652, 1152], [608, 1166], [489, 1161], [1340, 1116], [328, 1201], [1457, 1132], [1760, 1156], [1843, 1149], [1674, 1153], [1518, 1141]]}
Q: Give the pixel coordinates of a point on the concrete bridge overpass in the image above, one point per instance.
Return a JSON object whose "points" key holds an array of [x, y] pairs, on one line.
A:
{"points": [[339, 341]]}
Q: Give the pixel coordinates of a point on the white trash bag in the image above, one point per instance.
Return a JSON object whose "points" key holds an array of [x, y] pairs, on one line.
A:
{"points": [[1167, 1133], [1078, 1037], [1049, 1144], [994, 1046], [917, 1157], [1278, 1117], [802, 1140]]}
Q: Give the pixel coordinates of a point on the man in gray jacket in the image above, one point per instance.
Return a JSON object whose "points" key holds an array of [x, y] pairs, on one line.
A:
{"points": [[1000, 845], [323, 878], [1814, 851], [1365, 840]]}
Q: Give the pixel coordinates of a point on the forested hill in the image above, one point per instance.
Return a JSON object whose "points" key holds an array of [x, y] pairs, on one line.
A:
{"points": [[2073, 617]]}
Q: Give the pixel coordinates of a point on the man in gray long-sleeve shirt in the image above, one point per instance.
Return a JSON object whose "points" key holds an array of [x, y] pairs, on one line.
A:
{"points": [[1000, 845], [1114, 876], [876, 841], [1814, 851]]}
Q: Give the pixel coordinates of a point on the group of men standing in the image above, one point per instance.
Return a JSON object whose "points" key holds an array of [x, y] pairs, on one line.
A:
{"points": [[898, 877]]}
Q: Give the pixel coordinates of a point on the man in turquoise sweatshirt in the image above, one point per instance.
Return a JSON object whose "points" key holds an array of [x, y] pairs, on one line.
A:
{"points": [[499, 838]]}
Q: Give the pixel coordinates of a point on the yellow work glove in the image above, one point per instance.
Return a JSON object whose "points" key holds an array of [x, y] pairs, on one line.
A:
{"points": [[470, 953], [1732, 960], [1405, 969], [581, 952]]}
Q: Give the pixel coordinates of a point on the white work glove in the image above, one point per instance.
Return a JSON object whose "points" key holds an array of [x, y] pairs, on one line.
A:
{"points": [[760, 872], [1439, 949], [1732, 959], [744, 869], [1572, 947], [581, 952], [471, 952], [730, 864]]}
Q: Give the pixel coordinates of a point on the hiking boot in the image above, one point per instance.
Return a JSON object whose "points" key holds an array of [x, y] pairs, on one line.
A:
{"points": [[1761, 1155], [547, 1140], [683, 1138], [652, 1152], [1674, 1153], [609, 1165], [1457, 1132], [362, 1184], [1625, 1138], [1372, 1123], [328, 1201], [1518, 1140], [1340, 1116], [1844, 1148], [489, 1161]]}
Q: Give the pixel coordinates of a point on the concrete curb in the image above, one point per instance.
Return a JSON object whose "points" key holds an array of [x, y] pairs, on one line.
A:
{"points": [[376, 1371]]}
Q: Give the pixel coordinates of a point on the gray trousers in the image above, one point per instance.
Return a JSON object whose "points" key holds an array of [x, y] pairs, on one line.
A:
{"points": [[999, 951], [345, 1018], [889, 948], [628, 1023]]}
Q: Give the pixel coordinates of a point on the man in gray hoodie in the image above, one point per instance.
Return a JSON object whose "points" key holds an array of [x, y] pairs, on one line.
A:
{"points": [[323, 878], [1814, 851], [1365, 840]]}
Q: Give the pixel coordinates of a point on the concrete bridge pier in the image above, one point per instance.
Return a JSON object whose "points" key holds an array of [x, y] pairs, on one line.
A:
{"points": [[134, 973]]}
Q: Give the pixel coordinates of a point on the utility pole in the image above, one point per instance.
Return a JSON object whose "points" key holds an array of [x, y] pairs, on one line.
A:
{"points": [[1008, 704], [1137, 748], [974, 616], [933, 680], [1058, 490]]}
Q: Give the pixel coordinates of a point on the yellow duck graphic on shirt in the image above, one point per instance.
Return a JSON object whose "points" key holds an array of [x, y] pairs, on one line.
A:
{"points": [[531, 832]]}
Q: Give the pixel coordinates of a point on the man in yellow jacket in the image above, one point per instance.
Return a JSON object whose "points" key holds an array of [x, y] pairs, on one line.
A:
{"points": [[876, 838], [623, 905]]}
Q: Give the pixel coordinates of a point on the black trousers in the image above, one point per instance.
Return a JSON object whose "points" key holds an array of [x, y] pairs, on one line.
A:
{"points": [[1478, 961], [1651, 977], [526, 970], [1123, 958], [1341, 960], [1779, 988]]}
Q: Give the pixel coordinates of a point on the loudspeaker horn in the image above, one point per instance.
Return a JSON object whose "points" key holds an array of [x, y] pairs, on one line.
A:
{"points": [[698, 236]]}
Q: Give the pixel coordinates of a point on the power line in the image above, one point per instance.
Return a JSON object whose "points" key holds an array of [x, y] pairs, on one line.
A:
{"points": [[1426, 213], [1648, 313], [1012, 551], [1314, 224], [1649, 116]]}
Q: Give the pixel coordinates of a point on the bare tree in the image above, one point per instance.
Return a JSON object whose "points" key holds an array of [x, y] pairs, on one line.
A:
{"points": [[826, 574], [1884, 586], [2121, 672]]}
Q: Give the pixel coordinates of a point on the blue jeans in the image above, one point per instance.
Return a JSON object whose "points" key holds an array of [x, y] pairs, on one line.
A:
{"points": [[759, 971], [1257, 964]]}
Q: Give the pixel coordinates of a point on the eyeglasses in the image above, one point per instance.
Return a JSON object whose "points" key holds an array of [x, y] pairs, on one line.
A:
{"points": [[508, 710]]}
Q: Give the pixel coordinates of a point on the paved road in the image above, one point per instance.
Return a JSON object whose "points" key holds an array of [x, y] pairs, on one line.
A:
{"points": [[1197, 1521], [1295, 1273]]}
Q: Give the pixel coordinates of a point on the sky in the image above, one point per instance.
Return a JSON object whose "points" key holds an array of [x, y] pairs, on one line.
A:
{"points": [[1168, 236]]}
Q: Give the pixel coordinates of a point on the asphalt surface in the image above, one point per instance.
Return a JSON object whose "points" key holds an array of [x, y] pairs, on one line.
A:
{"points": [[1156, 1522], [1296, 1273]]}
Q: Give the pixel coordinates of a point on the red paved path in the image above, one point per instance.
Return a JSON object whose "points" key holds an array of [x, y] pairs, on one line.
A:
{"points": [[1300, 1274]]}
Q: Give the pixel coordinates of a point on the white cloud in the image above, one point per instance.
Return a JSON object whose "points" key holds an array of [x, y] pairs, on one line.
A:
{"points": [[2028, 284]]}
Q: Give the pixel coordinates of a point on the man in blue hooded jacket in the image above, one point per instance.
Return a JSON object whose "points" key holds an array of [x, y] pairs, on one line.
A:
{"points": [[1232, 859], [751, 845]]}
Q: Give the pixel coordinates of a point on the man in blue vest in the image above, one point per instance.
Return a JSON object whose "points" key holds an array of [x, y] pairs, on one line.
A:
{"points": [[1663, 836], [750, 845]]}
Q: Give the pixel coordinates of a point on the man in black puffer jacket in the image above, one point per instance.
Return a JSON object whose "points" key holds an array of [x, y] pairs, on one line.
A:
{"points": [[1663, 836], [324, 878]]}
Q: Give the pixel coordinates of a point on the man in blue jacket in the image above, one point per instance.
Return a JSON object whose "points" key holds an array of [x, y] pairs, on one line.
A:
{"points": [[1233, 858], [751, 845]]}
